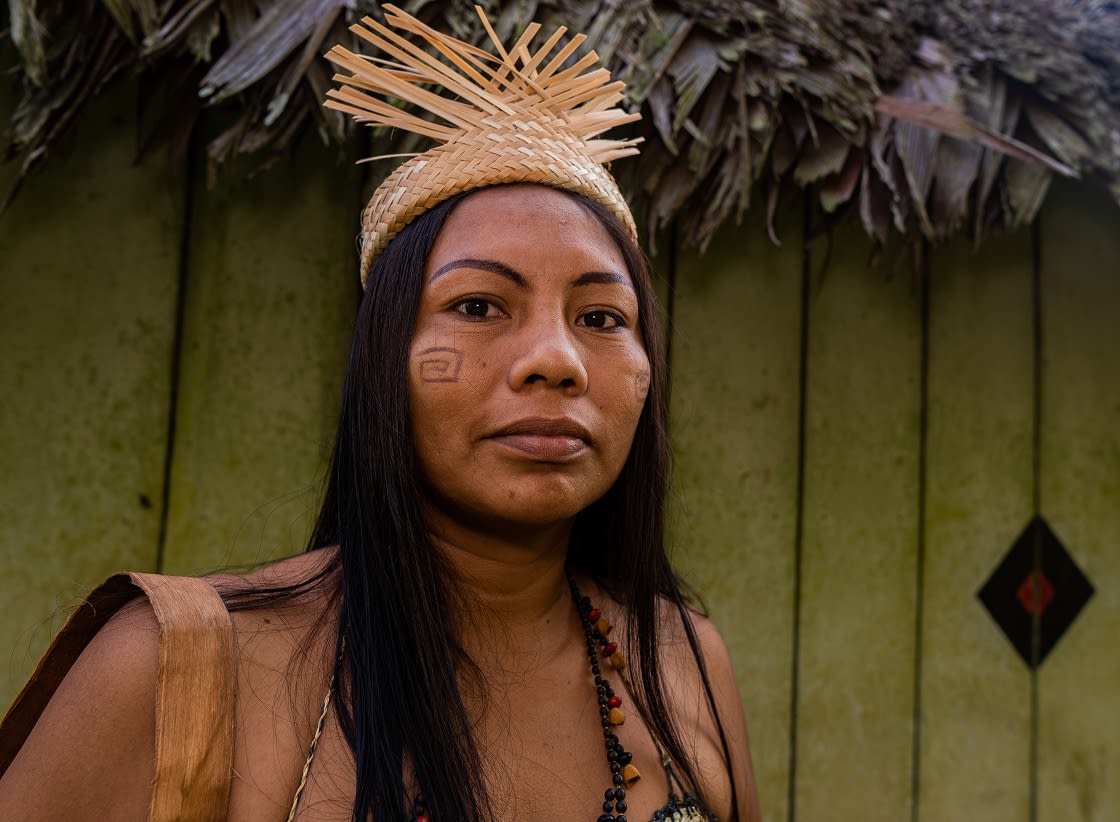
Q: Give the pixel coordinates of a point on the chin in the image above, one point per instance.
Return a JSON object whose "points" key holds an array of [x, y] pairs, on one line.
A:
{"points": [[521, 506]]}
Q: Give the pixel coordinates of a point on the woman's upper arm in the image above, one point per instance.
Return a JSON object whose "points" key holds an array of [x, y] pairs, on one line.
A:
{"points": [[91, 755], [729, 703]]}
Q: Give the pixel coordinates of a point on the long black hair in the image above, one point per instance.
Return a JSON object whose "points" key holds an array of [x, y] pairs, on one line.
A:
{"points": [[398, 679]]}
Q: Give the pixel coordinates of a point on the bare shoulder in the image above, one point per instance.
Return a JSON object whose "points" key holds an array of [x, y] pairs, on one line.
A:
{"points": [[286, 649], [270, 628], [282, 616], [103, 711], [694, 701]]}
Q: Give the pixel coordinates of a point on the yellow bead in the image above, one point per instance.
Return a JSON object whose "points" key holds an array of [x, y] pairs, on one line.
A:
{"points": [[618, 661], [604, 626], [630, 775], [616, 716]]}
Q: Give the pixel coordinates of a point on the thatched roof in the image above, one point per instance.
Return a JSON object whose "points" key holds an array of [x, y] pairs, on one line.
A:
{"points": [[925, 116]]}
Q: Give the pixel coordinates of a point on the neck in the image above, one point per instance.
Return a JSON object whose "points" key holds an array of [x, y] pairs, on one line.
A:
{"points": [[514, 586]]}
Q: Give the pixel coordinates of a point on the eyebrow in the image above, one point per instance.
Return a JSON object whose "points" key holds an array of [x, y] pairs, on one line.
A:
{"points": [[587, 278], [484, 265], [603, 278]]}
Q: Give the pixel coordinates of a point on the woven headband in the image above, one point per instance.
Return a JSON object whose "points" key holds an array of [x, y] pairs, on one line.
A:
{"points": [[518, 115]]}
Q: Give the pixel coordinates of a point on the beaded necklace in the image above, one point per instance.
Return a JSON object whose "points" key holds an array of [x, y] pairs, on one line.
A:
{"points": [[600, 648], [624, 774]]}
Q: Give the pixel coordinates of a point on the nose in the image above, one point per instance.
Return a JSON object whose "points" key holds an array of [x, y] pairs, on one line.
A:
{"points": [[548, 354]]}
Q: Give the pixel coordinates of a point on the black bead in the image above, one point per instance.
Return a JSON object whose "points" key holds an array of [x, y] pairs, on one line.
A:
{"points": [[620, 793], [620, 807], [612, 756], [608, 806], [606, 818], [609, 794], [625, 757], [595, 669], [603, 710], [617, 779], [606, 723], [620, 819]]}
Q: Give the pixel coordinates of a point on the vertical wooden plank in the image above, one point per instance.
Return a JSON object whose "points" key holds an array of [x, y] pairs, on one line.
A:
{"points": [[89, 271], [860, 534], [975, 689], [270, 301], [736, 398], [1079, 682]]}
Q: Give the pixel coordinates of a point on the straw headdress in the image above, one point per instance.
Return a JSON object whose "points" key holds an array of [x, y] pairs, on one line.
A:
{"points": [[518, 115]]}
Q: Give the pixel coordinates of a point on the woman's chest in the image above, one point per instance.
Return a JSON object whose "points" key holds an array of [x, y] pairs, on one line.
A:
{"points": [[544, 751], [549, 769]]}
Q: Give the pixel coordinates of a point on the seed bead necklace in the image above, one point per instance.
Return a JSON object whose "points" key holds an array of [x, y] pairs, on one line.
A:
{"points": [[624, 774], [600, 649]]}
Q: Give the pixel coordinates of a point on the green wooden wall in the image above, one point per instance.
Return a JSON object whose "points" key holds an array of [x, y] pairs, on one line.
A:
{"points": [[856, 449], [856, 452]]}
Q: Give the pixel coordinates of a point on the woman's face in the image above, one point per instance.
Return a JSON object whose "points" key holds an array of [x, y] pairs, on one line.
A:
{"points": [[527, 370]]}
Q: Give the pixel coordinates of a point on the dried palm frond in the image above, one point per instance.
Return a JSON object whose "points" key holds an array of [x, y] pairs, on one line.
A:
{"points": [[924, 116]]}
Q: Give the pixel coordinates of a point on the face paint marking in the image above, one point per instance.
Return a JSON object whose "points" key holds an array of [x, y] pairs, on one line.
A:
{"points": [[440, 364], [641, 385]]}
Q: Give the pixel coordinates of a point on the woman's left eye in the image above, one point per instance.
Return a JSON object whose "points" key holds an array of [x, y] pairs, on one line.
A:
{"points": [[601, 319]]}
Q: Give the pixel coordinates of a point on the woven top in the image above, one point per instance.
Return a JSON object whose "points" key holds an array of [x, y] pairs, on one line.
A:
{"points": [[513, 116]]}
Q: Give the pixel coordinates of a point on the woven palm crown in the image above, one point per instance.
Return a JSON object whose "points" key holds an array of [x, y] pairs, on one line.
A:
{"points": [[513, 116]]}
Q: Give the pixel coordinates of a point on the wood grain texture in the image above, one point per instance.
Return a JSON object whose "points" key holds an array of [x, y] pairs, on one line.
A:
{"points": [[736, 367], [269, 308], [860, 512], [1079, 682], [89, 272], [979, 483]]}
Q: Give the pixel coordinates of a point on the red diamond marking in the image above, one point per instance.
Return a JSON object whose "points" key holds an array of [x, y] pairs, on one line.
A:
{"points": [[1036, 593]]}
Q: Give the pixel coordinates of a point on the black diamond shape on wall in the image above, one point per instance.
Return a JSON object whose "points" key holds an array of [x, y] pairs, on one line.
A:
{"points": [[1039, 587]]}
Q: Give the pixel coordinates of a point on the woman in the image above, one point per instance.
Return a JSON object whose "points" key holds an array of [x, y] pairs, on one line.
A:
{"points": [[487, 626]]}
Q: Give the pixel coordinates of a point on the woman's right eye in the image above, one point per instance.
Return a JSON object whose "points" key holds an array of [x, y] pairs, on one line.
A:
{"points": [[477, 308]]}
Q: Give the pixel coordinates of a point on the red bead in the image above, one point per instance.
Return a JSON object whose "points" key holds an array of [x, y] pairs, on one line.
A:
{"points": [[610, 648], [594, 614], [614, 702]]}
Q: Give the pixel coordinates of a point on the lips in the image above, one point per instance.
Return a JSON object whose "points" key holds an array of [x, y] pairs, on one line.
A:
{"points": [[544, 439]]}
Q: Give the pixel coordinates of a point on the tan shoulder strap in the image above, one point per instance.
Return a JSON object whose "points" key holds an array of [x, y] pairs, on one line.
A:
{"points": [[197, 689], [197, 696]]}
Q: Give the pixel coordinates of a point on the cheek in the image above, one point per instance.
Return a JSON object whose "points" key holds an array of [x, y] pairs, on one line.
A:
{"points": [[437, 364], [433, 374], [627, 388], [641, 383]]}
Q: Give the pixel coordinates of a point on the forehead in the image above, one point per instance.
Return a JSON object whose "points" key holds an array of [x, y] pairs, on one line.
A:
{"points": [[526, 222]]}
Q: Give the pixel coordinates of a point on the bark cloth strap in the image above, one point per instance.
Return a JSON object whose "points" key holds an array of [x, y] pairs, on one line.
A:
{"points": [[197, 668]]}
